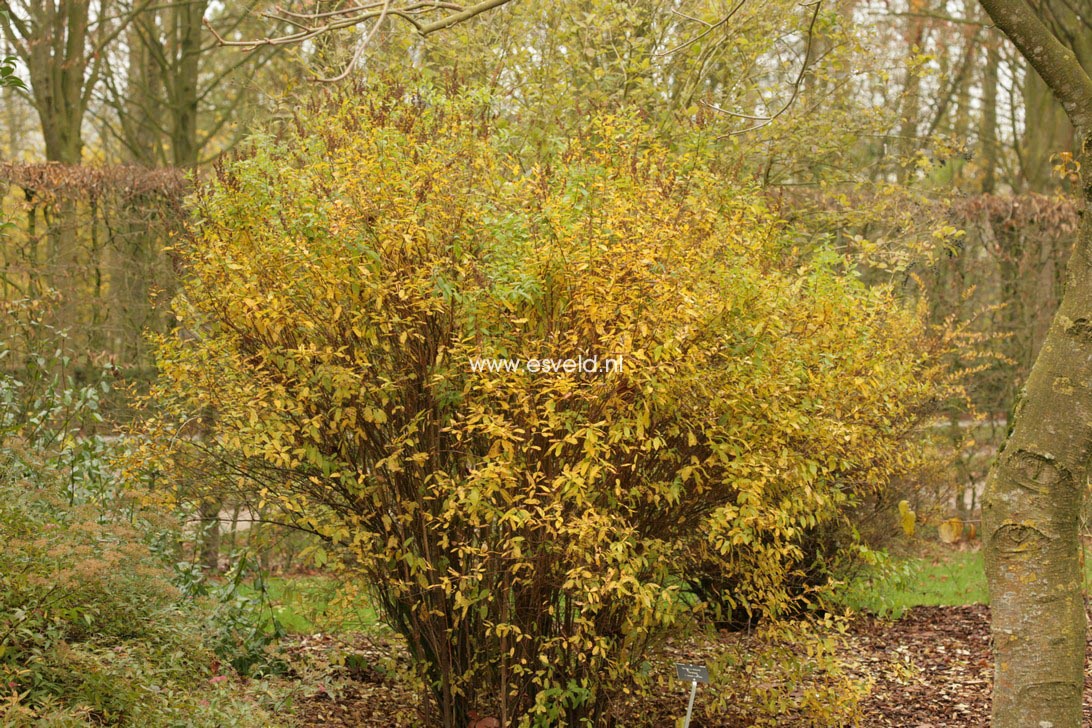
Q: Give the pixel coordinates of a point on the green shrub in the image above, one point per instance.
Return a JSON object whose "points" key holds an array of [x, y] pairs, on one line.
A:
{"points": [[91, 624], [92, 628]]}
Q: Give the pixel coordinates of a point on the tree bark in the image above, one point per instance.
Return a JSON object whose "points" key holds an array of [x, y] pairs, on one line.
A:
{"points": [[988, 129], [1031, 513], [1034, 491]]}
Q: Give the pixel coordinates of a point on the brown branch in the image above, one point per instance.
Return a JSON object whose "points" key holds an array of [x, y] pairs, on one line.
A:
{"points": [[710, 27], [312, 25], [467, 14], [765, 120], [1056, 64], [361, 45], [941, 17]]}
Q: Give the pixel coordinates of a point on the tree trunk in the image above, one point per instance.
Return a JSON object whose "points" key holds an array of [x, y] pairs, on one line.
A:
{"points": [[143, 106], [911, 102], [55, 48], [988, 129], [186, 52], [1032, 504], [1031, 513]]}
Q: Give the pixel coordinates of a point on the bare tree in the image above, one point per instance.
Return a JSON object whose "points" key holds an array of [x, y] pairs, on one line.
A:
{"points": [[62, 43], [171, 91]]}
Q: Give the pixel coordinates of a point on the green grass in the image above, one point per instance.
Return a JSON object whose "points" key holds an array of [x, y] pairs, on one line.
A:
{"points": [[950, 578], [946, 577], [310, 604]]}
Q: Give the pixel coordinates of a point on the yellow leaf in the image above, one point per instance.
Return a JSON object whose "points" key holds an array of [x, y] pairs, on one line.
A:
{"points": [[907, 518], [950, 531]]}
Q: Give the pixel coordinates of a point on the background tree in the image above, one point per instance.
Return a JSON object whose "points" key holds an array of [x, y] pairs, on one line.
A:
{"points": [[171, 94], [63, 44], [1048, 128]]}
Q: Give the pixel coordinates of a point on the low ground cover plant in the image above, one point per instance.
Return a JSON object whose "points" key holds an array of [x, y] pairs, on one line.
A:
{"points": [[93, 627]]}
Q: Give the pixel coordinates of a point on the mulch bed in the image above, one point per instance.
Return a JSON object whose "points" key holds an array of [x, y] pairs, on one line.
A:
{"points": [[948, 673], [930, 669], [366, 689]]}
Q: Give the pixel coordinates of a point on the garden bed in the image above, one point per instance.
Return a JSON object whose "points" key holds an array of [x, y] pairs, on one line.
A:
{"points": [[931, 668]]}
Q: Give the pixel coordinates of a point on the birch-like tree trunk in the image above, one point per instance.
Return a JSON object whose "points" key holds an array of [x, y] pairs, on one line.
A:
{"points": [[1034, 491]]}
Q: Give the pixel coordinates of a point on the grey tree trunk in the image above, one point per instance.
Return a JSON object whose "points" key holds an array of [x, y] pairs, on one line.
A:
{"points": [[185, 46], [1032, 504], [1030, 515]]}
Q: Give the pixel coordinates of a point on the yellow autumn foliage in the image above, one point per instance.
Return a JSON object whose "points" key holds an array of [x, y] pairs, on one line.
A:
{"points": [[907, 518], [529, 532]]}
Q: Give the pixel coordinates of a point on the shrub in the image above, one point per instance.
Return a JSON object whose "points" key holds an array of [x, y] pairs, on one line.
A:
{"points": [[92, 629], [528, 533], [792, 671]]}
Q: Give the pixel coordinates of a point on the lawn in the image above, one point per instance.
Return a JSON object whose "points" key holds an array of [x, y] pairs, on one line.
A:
{"points": [[947, 578], [943, 577], [306, 604]]}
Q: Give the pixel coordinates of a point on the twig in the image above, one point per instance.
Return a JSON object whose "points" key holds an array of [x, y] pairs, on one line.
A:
{"points": [[312, 25], [766, 120], [710, 27], [360, 47]]}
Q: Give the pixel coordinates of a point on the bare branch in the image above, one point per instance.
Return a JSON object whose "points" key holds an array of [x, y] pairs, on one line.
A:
{"points": [[361, 46], [467, 14], [804, 66], [936, 16], [710, 27], [311, 25], [690, 17], [1056, 64]]}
